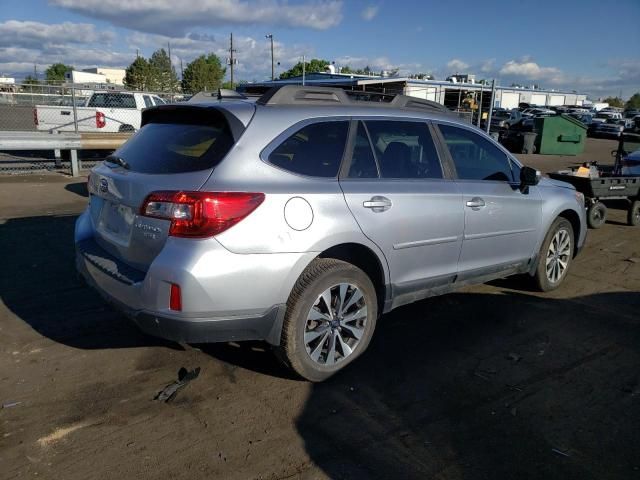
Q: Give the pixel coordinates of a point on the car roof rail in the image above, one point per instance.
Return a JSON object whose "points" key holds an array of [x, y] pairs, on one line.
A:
{"points": [[311, 95], [406, 101], [224, 93], [303, 95]]}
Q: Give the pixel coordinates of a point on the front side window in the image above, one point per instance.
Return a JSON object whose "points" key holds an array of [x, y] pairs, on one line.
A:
{"points": [[147, 101], [315, 150], [404, 149], [474, 157]]}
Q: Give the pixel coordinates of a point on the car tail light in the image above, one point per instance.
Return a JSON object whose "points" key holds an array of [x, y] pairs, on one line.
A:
{"points": [[175, 298], [35, 117], [200, 214], [100, 120]]}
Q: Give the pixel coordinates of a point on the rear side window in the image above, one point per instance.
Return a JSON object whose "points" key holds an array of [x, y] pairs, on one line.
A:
{"points": [[475, 157], [404, 149], [112, 100], [315, 150], [162, 148]]}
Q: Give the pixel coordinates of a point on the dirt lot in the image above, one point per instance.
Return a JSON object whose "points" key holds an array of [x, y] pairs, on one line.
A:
{"points": [[493, 382]]}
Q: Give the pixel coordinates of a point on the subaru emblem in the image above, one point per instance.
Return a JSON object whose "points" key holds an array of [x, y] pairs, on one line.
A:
{"points": [[104, 185]]}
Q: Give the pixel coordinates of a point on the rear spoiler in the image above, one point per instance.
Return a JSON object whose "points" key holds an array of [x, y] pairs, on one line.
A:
{"points": [[194, 115]]}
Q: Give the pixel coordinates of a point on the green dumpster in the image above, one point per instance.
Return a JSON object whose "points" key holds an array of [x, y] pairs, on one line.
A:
{"points": [[560, 135]]}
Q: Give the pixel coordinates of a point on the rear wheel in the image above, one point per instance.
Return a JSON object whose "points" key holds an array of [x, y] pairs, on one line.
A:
{"points": [[597, 215], [331, 316], [555, 255], [633, 214]]}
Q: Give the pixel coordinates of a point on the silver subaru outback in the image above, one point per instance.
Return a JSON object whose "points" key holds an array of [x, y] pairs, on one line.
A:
{"points": [[302, 217]]}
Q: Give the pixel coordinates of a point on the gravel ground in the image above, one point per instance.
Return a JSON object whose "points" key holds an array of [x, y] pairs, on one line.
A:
{"points": [[495, 381]]}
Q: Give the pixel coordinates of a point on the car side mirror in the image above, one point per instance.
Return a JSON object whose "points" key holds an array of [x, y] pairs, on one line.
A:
{"points": [[528, 177]]}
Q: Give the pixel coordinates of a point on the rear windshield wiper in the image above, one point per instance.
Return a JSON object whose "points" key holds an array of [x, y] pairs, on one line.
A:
{"points": [[118, 161]]}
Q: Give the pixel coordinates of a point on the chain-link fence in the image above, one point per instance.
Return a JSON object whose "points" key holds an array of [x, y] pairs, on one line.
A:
{"points": [[64, 108]]}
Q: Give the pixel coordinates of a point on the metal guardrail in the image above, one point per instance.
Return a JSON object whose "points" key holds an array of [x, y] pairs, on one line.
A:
{"points": [[13, 141]]}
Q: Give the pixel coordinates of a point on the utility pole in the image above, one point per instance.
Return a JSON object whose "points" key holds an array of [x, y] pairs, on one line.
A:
{"points": [[303, 69], [170, 72], [493, 96], [231, 59], [270, 36]]}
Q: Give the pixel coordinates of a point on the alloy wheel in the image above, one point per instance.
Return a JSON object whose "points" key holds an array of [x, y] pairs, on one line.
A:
{"points": [[558, 256], [335, 324]]}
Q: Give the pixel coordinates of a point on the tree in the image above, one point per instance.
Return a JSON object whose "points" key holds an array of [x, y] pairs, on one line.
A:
{"points": [[31, 80], [633, 102], [204, 73], [55, 73], [162, 75], [137, 75], [614, 101], [313, 66]]}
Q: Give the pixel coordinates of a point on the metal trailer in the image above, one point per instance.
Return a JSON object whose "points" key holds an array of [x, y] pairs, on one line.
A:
{"points": [[610, 184]]}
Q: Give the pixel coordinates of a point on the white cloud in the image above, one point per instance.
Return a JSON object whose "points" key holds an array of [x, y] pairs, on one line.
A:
{"points": [[376, 64], [457, 66], [167, 16], [370, 12], [35, 34], [530, 70]]}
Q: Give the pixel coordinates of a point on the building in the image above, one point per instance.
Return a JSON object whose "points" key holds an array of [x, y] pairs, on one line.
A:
{"points": [[7, 84], [81, 77], [112, 75], [454, 95]]}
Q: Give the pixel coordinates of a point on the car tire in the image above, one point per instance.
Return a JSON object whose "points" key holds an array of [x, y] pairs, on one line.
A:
{"points": [[633, 214], [317, 340], [555, 256], [597, 215]]}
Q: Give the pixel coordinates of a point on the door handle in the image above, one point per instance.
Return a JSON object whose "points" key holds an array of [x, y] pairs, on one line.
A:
{"points": [[377, 204], [475, 203]]}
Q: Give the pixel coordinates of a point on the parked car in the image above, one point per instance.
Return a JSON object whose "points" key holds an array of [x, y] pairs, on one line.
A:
{"points": [[107, 111], [501, 120], [602, 116], [236, 220], [611, 128], [537, 111], [585, 118]]}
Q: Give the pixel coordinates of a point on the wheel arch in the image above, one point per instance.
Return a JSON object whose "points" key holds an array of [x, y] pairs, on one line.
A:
{"points": [[574, 219], [366, 260]]}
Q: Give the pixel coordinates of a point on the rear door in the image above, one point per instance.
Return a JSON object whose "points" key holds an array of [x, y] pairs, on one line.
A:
{"points": [[176, 149], [502, 223], [397, 190]]}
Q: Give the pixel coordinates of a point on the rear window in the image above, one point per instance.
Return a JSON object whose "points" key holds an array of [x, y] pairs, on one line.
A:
{"points": [[162, 148]]}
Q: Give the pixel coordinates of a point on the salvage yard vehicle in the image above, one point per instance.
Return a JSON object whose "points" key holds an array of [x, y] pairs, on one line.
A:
{"points": [[103, 112], [302, 217], [504, 119], [610, 128], [602, 183]]}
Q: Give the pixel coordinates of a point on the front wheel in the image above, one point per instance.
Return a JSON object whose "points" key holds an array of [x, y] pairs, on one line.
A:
{"points": [[555, 255], [331, 316]]}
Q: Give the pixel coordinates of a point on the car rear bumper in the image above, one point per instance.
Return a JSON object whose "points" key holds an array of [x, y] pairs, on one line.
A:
{"points": [[225, 296], [236, 326]]}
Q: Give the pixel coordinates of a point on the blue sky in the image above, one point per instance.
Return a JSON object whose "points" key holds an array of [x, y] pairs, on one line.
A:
{"points": [[591, 46]]}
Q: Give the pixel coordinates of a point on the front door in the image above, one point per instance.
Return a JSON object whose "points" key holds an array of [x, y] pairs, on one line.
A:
{"points": [[502, 223]]}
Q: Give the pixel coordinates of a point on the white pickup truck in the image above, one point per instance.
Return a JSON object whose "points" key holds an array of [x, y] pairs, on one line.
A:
{"points": [[102, 112]]}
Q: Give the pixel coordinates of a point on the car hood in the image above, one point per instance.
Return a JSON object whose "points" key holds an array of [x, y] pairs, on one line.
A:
{"points": [[550, 182]]}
